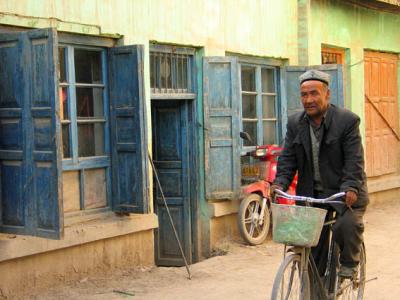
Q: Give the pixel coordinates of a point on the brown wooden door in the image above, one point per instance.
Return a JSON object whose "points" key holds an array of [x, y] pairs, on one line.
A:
{"points": [[381, 113]]}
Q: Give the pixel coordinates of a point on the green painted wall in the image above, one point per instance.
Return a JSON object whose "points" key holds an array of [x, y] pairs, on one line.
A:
{"points": [[218, 25], [356, 29]]}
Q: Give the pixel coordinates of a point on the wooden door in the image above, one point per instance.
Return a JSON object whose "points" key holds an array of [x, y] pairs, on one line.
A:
{"points": [[381, 113], [171, 159]]}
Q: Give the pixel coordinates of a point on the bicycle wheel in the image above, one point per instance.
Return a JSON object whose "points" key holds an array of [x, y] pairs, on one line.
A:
{"points": [[350, 289], [250, 228], [289, 282]]}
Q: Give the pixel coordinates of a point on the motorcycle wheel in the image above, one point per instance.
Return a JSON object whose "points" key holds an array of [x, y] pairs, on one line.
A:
{"points": [[248, 220]]}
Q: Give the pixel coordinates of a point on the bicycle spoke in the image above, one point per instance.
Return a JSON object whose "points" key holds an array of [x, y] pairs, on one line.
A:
{"points": [[248, 220], [251, 231], [249, 209]]}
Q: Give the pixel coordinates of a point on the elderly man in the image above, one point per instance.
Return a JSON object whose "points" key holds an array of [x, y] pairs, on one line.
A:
{"points": [[323, 145]]}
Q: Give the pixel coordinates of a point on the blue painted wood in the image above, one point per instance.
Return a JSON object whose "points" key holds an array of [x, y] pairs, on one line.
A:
{"points": [[30, 201], [293, 102], [171, 159], [129, 146], [221, 101], [72, 104]]}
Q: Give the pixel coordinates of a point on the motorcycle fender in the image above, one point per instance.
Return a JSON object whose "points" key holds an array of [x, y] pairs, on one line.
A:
{"points": [[257, 187]]}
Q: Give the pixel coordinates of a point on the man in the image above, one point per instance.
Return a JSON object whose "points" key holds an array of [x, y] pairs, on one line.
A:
{"points": [[323, 145]]}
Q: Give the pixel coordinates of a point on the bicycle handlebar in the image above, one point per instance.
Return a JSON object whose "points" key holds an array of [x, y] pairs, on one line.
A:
{"points": [[313, 200]]}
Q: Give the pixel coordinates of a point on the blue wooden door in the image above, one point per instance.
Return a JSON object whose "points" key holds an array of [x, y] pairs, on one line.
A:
{"points": [[30, 156], [221, 127], [128, 136], [171, 159], [291, 99]]}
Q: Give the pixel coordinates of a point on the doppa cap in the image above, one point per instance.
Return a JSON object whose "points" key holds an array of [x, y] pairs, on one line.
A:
{"points": [[315, 75]]}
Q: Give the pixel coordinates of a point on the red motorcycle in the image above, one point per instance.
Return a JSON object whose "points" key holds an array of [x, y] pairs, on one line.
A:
{"points": [[258, 173]]}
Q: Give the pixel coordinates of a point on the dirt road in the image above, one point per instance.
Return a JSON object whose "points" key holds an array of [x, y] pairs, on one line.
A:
{"points": [[244, 273]]}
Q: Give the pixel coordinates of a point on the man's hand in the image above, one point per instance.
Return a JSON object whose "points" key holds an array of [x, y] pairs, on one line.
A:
{"points": [[273, 188], [351, 198]]}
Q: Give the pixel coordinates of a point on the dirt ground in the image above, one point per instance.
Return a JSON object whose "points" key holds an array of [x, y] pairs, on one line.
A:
{"points": [[243, 273]]}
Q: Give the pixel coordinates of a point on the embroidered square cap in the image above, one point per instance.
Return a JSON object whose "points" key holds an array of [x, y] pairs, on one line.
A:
{"points": [[315, 75]]}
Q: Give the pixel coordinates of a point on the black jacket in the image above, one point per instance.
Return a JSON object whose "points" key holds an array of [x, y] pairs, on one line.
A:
{"points": [[341, 157]]}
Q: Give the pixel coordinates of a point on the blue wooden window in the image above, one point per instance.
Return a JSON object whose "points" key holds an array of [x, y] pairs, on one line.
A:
{"points": [[259, 104], [85, 129]]}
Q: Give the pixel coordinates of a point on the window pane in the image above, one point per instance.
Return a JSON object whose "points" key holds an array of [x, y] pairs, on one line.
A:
{"points": [[268, 80], [89, 102], [248, 79], [268, 105], [90, 139], [64, 103], [95, 188], [269, 129], [251, 129], [61, 60], [88, 66], [249, 110], [65, 141]]}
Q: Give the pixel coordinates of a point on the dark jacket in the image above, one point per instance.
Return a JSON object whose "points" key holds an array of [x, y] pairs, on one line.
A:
{"points": [[341, 156]]}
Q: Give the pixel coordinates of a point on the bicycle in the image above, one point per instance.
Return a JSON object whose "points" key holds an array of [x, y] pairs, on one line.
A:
{"points": [[298, 269]]}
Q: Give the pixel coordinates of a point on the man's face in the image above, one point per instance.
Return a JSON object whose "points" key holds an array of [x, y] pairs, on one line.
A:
{"points": [[315, 98]]}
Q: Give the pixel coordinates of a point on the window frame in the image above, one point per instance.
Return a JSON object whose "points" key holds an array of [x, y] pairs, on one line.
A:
{"points": [[259, 64], [74, 162]]}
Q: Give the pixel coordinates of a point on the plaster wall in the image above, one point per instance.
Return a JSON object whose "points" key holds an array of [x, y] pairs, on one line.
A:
{"points": [[222, 230], [219, 26]]}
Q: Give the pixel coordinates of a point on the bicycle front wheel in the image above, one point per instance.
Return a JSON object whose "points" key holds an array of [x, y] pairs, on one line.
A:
{"points": [[289, 282]]}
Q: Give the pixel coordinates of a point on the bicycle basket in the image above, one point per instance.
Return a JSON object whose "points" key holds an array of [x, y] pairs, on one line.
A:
{"points": [[297, 225]]}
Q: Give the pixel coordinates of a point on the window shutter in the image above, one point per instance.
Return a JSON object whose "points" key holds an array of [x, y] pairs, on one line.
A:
{"points": [[221, 126], [129, 147], [293, 101], [30, 157]]}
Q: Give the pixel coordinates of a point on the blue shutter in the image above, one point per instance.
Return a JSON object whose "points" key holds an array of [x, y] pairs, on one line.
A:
{"points": [[221, 127], [292, 91], [129, 147], [30, 156]]}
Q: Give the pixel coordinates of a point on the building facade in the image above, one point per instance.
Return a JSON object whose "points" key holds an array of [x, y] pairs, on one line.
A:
{"points": [[91, 89]]}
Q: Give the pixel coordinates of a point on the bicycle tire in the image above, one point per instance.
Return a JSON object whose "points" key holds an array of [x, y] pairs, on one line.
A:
{"points": [[251, 231], [355, 289], [294, 291]]}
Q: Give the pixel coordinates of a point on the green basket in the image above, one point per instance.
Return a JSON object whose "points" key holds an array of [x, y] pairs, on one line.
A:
{"points": [[297, 225]]}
